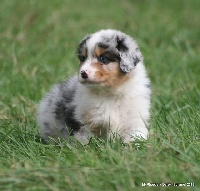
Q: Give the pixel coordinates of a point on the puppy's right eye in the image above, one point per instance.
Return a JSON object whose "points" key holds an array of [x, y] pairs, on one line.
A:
{"points": [[103, 60], [82, 58]]}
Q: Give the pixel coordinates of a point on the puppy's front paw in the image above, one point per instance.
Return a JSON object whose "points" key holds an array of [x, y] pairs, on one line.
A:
{"points": [[83, 135], [135, 136]]}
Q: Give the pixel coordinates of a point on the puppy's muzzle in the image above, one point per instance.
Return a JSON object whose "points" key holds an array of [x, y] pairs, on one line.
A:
{"points": [[84, 74]]}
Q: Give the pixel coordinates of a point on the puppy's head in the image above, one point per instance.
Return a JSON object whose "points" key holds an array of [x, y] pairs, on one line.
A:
{"points": [[107, 57]]}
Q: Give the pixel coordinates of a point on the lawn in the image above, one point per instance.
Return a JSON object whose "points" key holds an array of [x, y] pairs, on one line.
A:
{"points": [[38, 41]]}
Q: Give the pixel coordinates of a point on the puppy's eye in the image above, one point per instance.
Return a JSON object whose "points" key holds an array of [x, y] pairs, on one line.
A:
{"points": [[82, 58], [103, 60]]}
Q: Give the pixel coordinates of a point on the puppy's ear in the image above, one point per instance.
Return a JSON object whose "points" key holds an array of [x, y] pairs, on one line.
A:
{"points": [[85, 39], [129, 53], [82, 44]]}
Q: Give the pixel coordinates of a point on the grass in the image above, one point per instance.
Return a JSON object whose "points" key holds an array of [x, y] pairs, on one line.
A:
{"points": [[38, 44]]}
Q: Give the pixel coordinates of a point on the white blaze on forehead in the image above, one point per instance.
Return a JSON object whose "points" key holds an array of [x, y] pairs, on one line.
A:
{"points": [[100, 36], [109, 34], [96, 37]]}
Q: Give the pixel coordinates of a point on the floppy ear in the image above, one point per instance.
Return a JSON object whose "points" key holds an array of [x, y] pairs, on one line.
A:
{"points": [[83, 43], [129, 53]]}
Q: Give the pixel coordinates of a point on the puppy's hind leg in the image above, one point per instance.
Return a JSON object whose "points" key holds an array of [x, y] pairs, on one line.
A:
{"points": [[50, 119]]}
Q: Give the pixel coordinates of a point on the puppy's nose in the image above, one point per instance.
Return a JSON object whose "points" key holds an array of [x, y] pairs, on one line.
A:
{"points": [[84, 74]]}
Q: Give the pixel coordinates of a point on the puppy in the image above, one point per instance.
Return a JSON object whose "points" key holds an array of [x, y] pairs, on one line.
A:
{"points": [[109, 96]]}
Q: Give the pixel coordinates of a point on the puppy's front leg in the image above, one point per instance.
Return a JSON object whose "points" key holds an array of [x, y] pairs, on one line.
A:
{"points": [[137, 131]]}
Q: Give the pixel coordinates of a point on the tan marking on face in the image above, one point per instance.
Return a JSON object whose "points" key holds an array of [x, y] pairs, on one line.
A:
{"points": [[110, 74], [99, 51]]}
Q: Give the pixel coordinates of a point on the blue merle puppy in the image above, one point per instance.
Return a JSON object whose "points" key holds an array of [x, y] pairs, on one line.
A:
{"points": [[109, 95]]}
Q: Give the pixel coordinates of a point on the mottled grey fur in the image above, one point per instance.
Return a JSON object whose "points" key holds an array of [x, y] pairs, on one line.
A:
{"points": [[58, 114]]}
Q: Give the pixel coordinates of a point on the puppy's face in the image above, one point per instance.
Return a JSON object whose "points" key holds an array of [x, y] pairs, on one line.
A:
{"points": [[106, 58]]}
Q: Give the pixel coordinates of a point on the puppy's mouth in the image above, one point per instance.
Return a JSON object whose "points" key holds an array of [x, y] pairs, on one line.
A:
{"points": [[89, 81]]}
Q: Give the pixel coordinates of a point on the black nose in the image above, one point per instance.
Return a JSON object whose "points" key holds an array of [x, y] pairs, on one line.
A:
{"points": [[84, 74]]}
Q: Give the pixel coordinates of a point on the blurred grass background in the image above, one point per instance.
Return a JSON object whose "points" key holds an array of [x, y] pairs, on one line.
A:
{"points": [[38, 41]]}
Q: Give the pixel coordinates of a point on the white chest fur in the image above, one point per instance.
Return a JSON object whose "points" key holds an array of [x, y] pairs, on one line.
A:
{"points": [[98, 110]]}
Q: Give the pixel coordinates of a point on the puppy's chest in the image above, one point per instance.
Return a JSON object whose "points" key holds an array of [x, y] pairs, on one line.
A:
{"points": [[103, 112]]}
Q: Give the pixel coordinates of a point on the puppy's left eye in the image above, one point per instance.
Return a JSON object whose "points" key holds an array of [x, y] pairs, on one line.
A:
{"points": [[103, 60]]}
